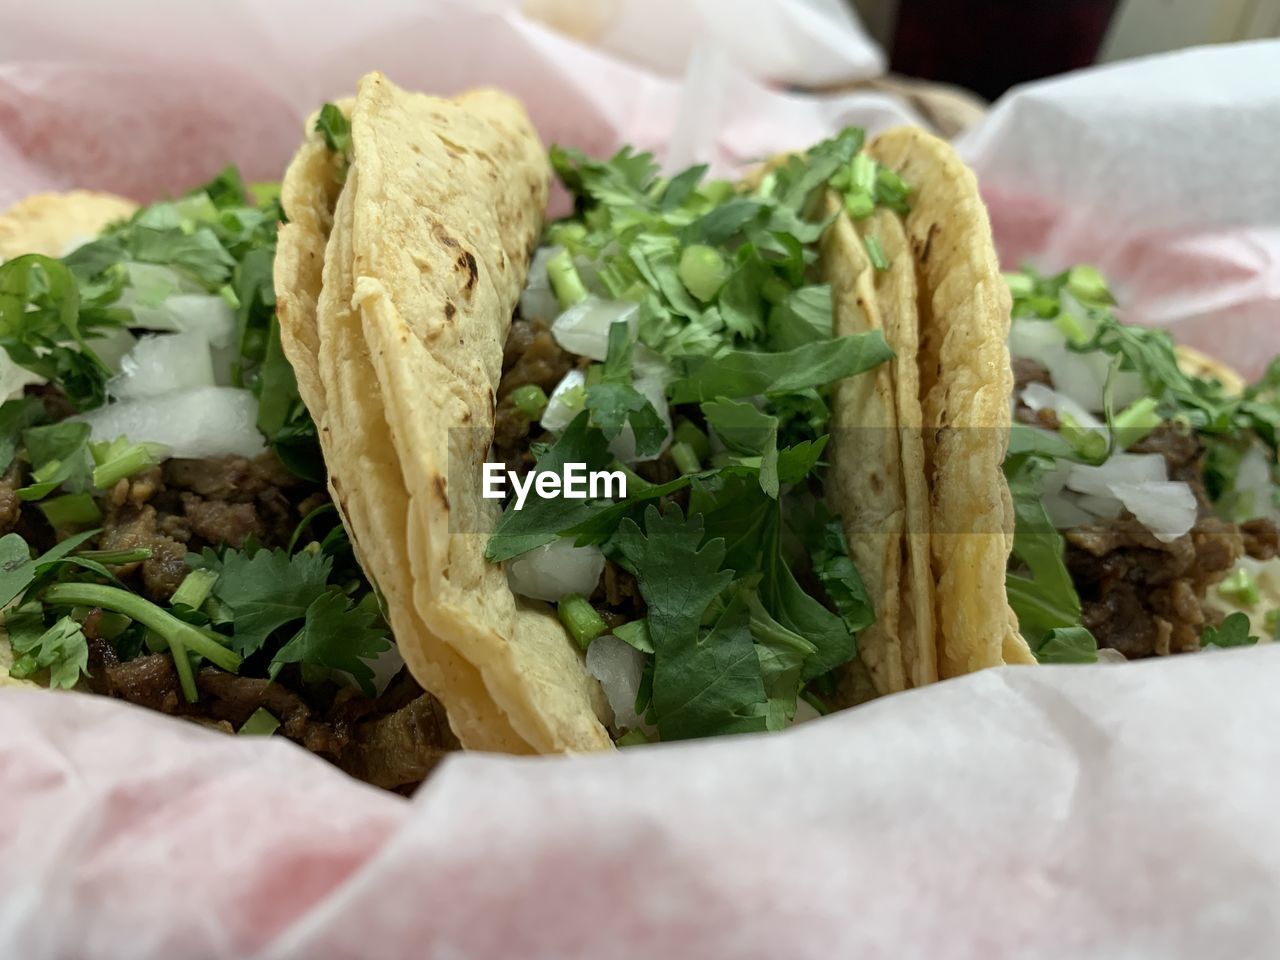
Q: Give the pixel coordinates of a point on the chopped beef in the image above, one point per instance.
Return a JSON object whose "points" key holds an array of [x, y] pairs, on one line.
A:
{"points": [[1261, 538], [1029, 371], [149, 681], [10, 505], [400, 747], [391, 741], [127, 527], [1143, 597], [535, 358], [55, 402], [531, 355], [617, 596], [220, 522], [234, 479]]}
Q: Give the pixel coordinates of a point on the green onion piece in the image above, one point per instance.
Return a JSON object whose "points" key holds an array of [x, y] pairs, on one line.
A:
{"points": [[703, 271], [859, 205], [685, 458], [116, 558], [1240, 587], [179, 635], [632, 738], [811, 698], [126, 463], [261, 723], [566, 233], [580, 619], [687, 432], [194, 590], [71, 510], [1089, 444], [1071, 327], [46, 472], [1020, 285], [565, 282], [531, 400], [862, 173], [1135, 421], [24, 667], [1088, 284], [875, 253], [1271, 620], [891, 190]]}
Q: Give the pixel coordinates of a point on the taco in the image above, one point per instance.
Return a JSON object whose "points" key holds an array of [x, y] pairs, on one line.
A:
{"points": [[741, 356], [166, 534], [1125, 497]]}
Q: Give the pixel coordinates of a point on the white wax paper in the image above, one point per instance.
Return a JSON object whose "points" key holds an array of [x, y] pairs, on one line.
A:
{"points": [[1109, 811]]}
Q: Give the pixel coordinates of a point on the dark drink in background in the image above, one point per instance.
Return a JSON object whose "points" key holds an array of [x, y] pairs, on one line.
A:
{"points": [[990, 45]]}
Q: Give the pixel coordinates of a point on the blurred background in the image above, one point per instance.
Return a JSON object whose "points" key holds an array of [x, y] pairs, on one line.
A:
{"points": [[988, 46]]}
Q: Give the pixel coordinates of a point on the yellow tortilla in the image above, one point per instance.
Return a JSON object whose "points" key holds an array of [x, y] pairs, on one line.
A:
{"points": [[446, 217], [876, 440], [401, 344], [965, 383], [55, 223]]}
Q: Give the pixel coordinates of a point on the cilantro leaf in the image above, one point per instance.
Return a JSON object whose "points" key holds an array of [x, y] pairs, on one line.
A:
{"points": [[1067, 645], [614, 401], [60, 455], [266, 591], [745, 429], [541, 520], [1234, 632], [741, 373], [803, 316], [15, 417], [823, 536], [62, 649], [782, 654], [1044, 597], [340, 635], [702, 684]]}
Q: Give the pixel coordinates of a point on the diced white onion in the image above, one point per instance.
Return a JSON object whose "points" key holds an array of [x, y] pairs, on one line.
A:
{"points": [[204, 422], [1105, 508], [555, 569], [113, 345], [1039, 397], [565, 402], [1119, 468], [1254, 485], [618, 666], [538, 301], [1165, 507], [1064, 513], [1080, 376], [163, 364], [584, 328]]}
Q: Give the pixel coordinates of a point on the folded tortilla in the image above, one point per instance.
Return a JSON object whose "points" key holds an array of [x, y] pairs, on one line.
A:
{"points": [[963, 310], [398, 345], [53, 224]]}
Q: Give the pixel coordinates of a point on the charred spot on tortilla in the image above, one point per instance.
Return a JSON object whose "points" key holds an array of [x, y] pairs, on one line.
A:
{"points": [[441, 488], [449, 310], [440, 233], [928, 243], [467, 261]]}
